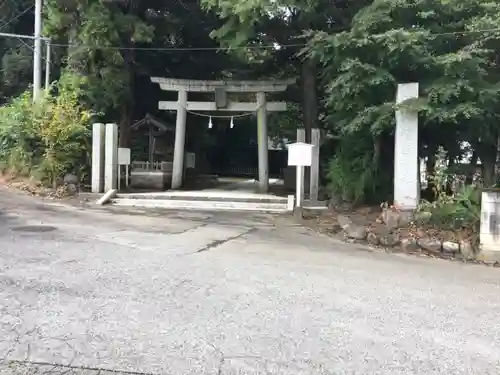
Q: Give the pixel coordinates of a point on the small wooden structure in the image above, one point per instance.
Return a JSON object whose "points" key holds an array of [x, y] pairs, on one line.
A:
{"points": [[152, 170]]}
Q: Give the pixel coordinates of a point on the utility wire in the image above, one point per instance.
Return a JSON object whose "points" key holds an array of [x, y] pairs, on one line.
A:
{"points": [[247, 47], [31, 48], [16, 17], [176, 49], [253, 47]]}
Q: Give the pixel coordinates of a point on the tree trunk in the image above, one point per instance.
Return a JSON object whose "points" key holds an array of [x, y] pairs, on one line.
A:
{"points": [[430, 164], [488, 172], [310, 103], [377, 151], [128, 107], [488, 156], [474, 158]]}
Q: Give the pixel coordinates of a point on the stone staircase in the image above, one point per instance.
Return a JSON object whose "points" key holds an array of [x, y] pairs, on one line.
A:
{"points": [[210, 201]]}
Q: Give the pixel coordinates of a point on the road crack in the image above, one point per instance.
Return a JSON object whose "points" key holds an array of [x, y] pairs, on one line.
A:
{"points": [[217, 243]]}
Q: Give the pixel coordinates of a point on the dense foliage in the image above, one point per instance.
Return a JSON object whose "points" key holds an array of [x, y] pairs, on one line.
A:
{"points": [[45, 140]]}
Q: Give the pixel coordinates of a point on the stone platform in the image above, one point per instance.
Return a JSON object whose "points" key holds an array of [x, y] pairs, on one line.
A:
{"points": [[205, 200], [231, 194]]}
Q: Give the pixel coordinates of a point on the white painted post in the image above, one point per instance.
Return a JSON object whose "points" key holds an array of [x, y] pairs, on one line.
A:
{"points": [[300, 156], [98, 150], [127, 176], [119, 174], [301, 135], [37, 51], [406, 178], [299, 186], [262, 140], [290, 203], [111, 157], [314, 177], [180, 138]]}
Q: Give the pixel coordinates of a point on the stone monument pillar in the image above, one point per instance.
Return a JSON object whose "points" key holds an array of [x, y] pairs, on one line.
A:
{"points": [[489, 235], [262, 140], [180, 140], [111, 158], [98, 150], [406, 177], [314, 177]]}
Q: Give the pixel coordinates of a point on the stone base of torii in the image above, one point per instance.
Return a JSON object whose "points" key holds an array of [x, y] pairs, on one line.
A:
{"points": [[221, 103]]}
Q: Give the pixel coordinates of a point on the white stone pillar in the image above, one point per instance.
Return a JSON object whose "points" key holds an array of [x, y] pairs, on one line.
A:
{"points": [[111, 158], [489, 236], [262, 140], [98, 150], [406, 178], [314, 177], [180, 139]]}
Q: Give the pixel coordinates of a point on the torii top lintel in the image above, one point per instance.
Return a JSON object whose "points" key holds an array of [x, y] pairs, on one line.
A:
{"points": [[173, 84]]}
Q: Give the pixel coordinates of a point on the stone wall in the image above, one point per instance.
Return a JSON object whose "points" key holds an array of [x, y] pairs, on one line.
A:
{"points": [[153, 180]]}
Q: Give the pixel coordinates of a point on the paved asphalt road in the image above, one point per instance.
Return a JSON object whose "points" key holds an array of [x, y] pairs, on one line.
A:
{"points": [[107, 293]]}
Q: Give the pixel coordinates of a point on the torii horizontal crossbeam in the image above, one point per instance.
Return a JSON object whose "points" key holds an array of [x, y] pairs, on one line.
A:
{"points": [[172, 84], [232, 107]]}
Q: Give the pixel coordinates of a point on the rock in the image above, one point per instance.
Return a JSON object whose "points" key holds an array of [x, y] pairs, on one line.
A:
{"points": [[350, 229], [408, 245], [450, 247], [71, 179], [396, 218], [467, 250], [344, 221], [389, 239], [372, 239], [431, 245], [334, 202], [390, 218], [71, 189], [423, 216], [356, 232], [406, 217]]}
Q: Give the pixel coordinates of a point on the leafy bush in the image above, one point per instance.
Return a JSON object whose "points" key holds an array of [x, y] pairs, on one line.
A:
{"points": [[353, 174], [461, 209], [18, 138], [46, 139]]}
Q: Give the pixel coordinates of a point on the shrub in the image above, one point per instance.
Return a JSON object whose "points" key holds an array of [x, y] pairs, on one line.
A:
{"points": [[19, 141], [47, 139], [461, 209], [354, 175]]}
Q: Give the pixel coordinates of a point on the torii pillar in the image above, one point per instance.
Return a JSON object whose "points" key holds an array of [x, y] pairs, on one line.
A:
{"points": [[221, 88]]}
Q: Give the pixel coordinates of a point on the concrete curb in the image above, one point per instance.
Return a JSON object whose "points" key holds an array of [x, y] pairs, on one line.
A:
{"points": [[107, 197]]}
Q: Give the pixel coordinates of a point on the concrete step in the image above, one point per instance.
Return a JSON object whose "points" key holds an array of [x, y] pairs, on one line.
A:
{"points": [[215, 197], [206, 205]]}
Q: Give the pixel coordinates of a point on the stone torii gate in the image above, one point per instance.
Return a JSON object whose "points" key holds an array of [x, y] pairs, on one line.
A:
{"points": [[221, 103]]}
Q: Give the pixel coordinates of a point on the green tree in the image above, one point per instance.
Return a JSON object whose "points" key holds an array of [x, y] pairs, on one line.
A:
{"points": [[91, 29], [265, 22], [423, 41]]}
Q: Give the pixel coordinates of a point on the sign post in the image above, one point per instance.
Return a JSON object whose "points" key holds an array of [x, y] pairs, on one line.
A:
{"points": [[300, 156], [123, 159]]}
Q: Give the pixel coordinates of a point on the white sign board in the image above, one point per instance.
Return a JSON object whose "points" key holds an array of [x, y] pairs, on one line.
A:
{"points": [[123, 156], [300, 154]]}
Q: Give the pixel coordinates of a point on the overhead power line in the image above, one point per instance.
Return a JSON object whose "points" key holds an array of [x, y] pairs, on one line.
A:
{"points": [[16, 17], [252, 47], [175, 49]]}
